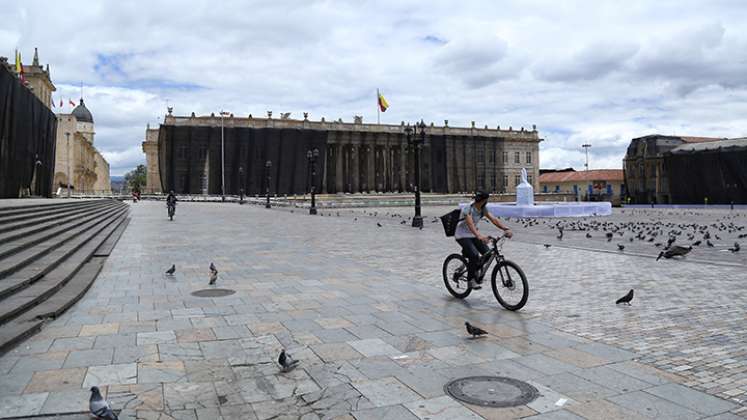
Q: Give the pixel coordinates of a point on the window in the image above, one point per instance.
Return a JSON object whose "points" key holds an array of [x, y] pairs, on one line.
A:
{"points": [[491, 157], [505, 157], [505, 181], [481, 180], [529, 180], [517, 178], [480, 152], [517, 157], [529, 157], [493, 184]]}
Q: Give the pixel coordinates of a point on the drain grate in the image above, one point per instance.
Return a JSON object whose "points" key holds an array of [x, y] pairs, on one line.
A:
{"points": [[212, 293], [491, 391]]}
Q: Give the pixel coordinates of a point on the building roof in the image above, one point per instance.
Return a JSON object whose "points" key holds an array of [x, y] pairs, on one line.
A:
{"points": [[711, 145], [82, 114], [583, 176], [690, 139]]}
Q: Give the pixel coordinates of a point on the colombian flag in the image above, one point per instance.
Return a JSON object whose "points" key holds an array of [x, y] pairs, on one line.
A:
{"points": [[383, 104]]}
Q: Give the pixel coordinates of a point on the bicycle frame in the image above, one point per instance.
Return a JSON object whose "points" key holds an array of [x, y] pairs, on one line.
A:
{"points": [[494, 254]]}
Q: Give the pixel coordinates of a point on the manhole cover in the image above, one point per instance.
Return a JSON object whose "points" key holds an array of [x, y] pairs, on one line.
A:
{"points": [[491, 391], [211, 293]]}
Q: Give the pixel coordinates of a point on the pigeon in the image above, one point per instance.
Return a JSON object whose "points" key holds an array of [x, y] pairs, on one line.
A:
{"points": [[709, 243], [736, 247], [560, 237], [675, 251], [547, 246], [588, 235], [213, 269], [286, 362], [213, 277], [170, 271], [697, 243], [100, 407], [378, 224], [609, 236], [625, 299], [621, 247], [474, 331]]}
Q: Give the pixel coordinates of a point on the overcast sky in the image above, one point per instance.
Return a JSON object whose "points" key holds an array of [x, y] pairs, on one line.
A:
{"points": [[600, 72]]}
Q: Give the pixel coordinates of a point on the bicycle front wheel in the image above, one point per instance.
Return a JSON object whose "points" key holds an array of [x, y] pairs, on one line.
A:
{"points": [[455, 276], [510, 285]]}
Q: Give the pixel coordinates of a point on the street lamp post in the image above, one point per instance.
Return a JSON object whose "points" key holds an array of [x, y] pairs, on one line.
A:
{"points": [[241, 184], [586, 148], [312, 157], [268, 165], [222, 159], [68, 164], [416, 141]]}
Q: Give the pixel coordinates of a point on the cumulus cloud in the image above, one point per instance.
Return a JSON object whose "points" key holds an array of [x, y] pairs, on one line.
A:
{"points": [[602, 74]]}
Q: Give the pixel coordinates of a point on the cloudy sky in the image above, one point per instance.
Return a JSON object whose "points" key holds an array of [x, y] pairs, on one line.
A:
{"points": [[600, 72]]}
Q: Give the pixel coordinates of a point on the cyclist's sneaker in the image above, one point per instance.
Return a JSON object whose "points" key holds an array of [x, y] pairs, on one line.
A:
{"points": [[474, 285]]}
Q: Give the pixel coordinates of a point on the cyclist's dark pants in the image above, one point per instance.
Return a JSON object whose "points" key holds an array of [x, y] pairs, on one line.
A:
{"points": [[473, 249]]}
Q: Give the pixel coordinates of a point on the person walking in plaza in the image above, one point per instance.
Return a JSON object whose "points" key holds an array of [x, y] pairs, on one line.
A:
{"points": [[473, 243], [171, 204]]}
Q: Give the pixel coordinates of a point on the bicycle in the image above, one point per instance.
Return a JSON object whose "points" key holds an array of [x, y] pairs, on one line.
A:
{"points": [[512, 283], [172, 210]]}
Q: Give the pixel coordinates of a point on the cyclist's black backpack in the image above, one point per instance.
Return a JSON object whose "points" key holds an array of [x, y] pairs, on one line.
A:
{"points": [[450, 221]]}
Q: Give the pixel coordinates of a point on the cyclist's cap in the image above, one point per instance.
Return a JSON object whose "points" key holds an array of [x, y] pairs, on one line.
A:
{"points": [[481, 195]]}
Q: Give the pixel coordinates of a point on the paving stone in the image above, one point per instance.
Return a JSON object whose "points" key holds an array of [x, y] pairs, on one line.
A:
{"points": [[652, 406], [55, 380], [373, 347], [612, 379], [504, 413], [694, 400], [157, 337], [386, 391], [72, 343], [111, 375], [603, 410], [575, 387], [14, 383], [40, 361], [99, 329], [215, 370], [332, 352], [231, 331], [180, 351], [440, 408], [137, 397], [263, 388], [85, 358], [130, 354], [67, 402], [157, 372], [189, 395], [221, 349], [388, 412], [576, 357], [22, 405], [556, 415], [607, 352]]}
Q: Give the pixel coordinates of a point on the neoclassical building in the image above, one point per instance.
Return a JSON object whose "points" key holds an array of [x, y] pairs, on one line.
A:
{"points": [[191, 156], [76, 159]]}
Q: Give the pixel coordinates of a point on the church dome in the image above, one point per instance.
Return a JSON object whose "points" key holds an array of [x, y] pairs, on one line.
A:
{"points": [[82, 114]]}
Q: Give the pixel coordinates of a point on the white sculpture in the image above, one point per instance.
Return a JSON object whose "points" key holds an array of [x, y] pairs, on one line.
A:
{"points": [[524, 191]]}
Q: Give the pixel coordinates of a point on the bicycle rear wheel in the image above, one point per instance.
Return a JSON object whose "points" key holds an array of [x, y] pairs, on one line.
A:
{"points": [[455, 276], [510, 285]]}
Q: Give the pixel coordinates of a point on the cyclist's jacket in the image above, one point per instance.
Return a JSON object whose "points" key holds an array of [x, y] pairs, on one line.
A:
{"points": [[462, 231]]}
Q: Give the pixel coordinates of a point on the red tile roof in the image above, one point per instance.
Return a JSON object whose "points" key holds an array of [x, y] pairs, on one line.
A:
{"points": [[583, 176]]}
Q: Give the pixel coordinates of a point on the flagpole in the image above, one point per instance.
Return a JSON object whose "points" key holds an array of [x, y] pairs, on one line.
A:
{"points": [[378, 107]]}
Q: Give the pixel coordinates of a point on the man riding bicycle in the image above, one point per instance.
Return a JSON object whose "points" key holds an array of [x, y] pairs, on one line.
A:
{"points": [[467, 235], [171, 203]]}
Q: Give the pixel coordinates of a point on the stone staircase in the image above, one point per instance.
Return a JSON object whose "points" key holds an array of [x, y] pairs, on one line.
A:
{"points": [[50, 254]]}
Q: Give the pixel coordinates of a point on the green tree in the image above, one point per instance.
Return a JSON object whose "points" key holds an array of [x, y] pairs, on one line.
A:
{"points": [[135, 179]]}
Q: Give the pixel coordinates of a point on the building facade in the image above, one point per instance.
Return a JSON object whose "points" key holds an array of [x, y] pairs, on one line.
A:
{"points": [[646, 176], [77, 161], [591, 185], [195, 154], [150, 148]]}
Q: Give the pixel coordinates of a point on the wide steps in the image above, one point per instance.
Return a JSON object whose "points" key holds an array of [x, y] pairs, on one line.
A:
{"points": [[9, 223], [37, 230], [44, 273], [20, 258]]}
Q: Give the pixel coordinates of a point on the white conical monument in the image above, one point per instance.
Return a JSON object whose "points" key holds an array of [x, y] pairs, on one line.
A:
{"points": [[524, 191]]}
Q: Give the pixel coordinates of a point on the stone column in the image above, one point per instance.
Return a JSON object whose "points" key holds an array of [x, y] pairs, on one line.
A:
{"points": [[403, 166], [339, 180], [355, 172], [370, 163]]}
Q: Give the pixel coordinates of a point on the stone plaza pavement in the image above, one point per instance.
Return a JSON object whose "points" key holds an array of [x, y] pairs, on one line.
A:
{"points": [[364, 309]]}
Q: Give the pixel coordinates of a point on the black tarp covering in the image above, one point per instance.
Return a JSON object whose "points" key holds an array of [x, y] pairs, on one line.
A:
{"points": [[27, 134], [187, 152], [718, 174]]}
